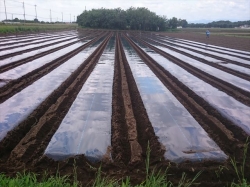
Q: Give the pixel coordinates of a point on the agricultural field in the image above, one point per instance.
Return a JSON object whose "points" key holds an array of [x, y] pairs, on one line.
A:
{"points": [[78, 100], [234, 38], [20, 28]]}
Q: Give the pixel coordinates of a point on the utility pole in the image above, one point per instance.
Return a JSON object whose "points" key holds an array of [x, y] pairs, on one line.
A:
{"points": [[50, 15], [70, 18], [74, 18], [62, 17], [23, 12], [5, 10], [36, 12], [12, 17]]}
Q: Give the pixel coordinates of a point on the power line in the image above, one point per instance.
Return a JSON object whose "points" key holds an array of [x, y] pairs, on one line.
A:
{"points": [[18, 8], [36, 12], [5, 10]]}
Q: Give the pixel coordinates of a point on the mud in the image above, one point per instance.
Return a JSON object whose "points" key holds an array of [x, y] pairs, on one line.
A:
{"points": [[132, 131]]}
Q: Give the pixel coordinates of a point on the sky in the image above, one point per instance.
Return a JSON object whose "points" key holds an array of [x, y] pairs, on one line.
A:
{"points": [[194, 11]]}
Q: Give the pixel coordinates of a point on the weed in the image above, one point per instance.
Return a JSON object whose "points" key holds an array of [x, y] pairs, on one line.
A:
{"points": [[30, 179], [220, 170], [242, 182], [153, 179]]}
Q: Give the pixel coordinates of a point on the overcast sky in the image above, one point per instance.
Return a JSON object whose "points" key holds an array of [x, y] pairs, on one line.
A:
{"points": [[191, 10]]}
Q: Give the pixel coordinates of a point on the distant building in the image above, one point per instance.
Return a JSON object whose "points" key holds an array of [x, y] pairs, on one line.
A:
{"points": [[245, 26], [8, 22], [179, 27]]}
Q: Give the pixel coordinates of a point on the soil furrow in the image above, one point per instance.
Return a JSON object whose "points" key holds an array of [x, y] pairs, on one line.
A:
{"points": [[176, 39], [135, 147], [223, 68], [145, 131], [23, 147], [224, 132], [21, 38], [119, 131], [19, 84], [32, 49], [239, 94], [14, 64], [28, 41], [40, 133], [24, 45], [33, 37], [214, 56]]}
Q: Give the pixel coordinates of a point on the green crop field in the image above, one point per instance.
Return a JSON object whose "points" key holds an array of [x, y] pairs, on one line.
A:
{"points": [[33, 27]]}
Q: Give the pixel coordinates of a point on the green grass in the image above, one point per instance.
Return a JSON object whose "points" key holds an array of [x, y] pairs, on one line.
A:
{"points": [[28, 27], [30, 180], [152, 178], [240, 170]]}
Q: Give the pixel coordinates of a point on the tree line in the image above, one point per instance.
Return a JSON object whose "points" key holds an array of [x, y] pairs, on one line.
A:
{"points": [[219, 24], [133, 19], [16, 20]]}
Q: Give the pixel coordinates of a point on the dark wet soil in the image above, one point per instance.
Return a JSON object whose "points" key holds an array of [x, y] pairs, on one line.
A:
{"points": [[23, 147]]}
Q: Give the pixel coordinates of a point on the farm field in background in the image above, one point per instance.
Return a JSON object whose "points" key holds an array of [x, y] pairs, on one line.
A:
{"points": [[33, 27], [96, 97], [233, 37]]}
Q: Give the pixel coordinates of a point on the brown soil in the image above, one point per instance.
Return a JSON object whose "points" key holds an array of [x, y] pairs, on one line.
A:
{"points": [[132, 130], [219, 40]]}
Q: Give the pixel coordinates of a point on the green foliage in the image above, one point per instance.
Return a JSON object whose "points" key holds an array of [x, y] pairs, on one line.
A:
{"points": [[219, 171], [240, 170], [182, 22], [172, 23], [153, 179], [132, 18], [30, 180], [219, 24], [17, 28]]}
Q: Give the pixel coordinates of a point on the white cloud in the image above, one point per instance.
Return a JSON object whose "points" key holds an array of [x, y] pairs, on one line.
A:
{"points": [[186, 9]]}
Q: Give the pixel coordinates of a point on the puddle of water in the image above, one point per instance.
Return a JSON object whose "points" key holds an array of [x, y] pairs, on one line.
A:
{"points": [[86, 129], [236, 81], [19, 106], [225, 104], [180, 134]]}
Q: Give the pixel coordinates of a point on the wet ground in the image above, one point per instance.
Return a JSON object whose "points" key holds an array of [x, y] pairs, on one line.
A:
{"points": [[96, 98]]}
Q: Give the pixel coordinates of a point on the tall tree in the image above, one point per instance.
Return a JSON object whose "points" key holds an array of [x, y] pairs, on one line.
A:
{"points": [[132, 18]]}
